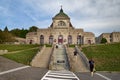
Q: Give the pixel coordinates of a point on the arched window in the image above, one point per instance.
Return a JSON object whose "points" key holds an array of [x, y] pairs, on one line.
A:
{"points": [[79, 39], [69, 39], [61, 23], [51, 39], [41, 39]]}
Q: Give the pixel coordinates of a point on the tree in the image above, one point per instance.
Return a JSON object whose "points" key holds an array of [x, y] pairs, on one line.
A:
{"points": [[33, 29], [6, 37], [103, 40], [6, 29], [0, 30], [23, 33], [19, 33]]}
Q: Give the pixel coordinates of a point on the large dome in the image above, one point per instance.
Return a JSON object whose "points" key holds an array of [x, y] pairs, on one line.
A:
{"points": [[61, 15]]}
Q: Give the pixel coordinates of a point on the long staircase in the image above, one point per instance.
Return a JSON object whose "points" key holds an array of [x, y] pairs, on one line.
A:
{"points": [[59, 59]]}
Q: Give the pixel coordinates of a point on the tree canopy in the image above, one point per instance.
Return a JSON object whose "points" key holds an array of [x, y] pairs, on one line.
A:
{"points": [[103, 40], [9, 36], [6, 37], [19, 32], [33, 29]]}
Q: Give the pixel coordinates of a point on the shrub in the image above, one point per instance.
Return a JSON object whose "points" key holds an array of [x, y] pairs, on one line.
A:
{"points": [[103, 40]]}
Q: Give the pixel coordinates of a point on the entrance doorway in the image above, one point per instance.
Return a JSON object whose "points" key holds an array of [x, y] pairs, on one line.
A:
{"points": [[89, 41], [60, 39], [31, 41]]}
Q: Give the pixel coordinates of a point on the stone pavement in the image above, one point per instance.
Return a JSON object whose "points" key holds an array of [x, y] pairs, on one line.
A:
{"points": [[42, 59]]}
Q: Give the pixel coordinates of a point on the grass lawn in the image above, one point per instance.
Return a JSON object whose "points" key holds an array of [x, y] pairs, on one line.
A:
{"points": [[106, 57], [11, 48], [23, 57]]}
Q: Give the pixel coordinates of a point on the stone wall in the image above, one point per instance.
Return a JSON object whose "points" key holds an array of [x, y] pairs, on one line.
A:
{"points": [[3, 51]]}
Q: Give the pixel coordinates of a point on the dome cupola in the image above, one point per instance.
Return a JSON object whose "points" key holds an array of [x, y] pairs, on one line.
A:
{"points": [[61, 15]]}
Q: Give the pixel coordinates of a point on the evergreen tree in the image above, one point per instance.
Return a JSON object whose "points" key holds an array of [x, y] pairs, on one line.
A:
{"points": [[6, 29]]}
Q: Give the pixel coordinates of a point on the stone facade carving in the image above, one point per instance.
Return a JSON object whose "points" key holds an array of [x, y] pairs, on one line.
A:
{"points": [[60, 31]]}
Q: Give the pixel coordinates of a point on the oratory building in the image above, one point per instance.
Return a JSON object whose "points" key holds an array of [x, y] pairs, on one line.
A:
{"points": [[60, 31]]}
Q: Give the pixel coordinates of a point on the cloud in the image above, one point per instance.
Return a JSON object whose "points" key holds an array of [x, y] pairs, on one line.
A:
{"points": [[98, 26], [92, 15]]}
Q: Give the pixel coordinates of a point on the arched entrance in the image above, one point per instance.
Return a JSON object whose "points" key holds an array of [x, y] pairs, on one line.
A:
{"points": [[89, 41], [51, 39], [79, 39], [69, 39], [41, 39], [60, 39], [31, 41]]}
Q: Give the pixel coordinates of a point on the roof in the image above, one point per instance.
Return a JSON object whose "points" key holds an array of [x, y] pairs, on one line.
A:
{"points": [[61, 15]]}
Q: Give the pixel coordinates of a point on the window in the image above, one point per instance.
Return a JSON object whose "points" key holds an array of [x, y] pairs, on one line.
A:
{"points": [[69, 39], [41, 39], [61, 23], [79, 39], [51, 39]]}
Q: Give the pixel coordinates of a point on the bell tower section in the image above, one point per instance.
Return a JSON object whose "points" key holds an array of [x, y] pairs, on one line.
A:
{"points": [[61, 20]]}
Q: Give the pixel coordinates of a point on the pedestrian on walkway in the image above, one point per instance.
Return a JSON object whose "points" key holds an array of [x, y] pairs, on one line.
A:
{"points": [[75, 53], [56, 46], [91, 65]]}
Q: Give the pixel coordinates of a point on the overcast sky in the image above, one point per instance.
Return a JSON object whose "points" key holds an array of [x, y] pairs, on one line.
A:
{"points": [[97, 16]]}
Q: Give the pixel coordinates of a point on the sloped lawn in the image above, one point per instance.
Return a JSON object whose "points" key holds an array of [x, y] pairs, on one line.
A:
{"points": [[11, 47], [106, 57], [23, 57]]}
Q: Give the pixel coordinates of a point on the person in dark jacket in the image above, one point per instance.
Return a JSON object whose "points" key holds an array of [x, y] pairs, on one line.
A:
{"points": [[75, 53], [91, 65]]}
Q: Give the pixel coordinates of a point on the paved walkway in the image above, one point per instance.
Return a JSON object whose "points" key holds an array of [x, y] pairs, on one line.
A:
{"points": [[42, 60], [77, 65], [6, 64]]}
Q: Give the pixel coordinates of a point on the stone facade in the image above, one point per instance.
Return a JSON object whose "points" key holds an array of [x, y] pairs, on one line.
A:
{"points": [[104, 35], [60, 31], [115, 37], [110, 37]]}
